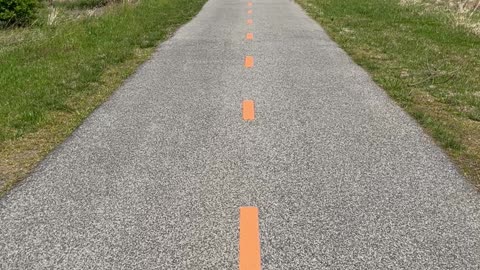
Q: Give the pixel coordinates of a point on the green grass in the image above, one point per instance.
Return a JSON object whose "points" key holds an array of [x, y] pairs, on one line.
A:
{"points": [[51, 77], [83, 4], [427, 64]]}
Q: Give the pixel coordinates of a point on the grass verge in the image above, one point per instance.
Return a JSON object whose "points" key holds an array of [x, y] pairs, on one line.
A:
{"points": [[52, 77], [429, 65]]}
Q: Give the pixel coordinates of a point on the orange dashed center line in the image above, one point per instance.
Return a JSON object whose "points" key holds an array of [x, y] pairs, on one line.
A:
{"points": [[249, 21], [249, 249], [248, 110], [249, 11], [248, 61], [249, 4], [249, 36]]}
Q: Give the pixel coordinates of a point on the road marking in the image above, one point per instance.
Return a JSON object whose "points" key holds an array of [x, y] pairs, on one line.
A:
{"points": [[249, 21], [248, 110], [249, 249], [248, 61], [249, 11], [249, 36], [249, 4]]}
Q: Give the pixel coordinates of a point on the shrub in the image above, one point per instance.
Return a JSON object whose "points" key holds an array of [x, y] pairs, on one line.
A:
{"points": [[17, 12]]}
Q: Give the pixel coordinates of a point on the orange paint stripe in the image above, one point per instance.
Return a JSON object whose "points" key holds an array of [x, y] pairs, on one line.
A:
{"points": [[249, 250], [249, 21], [249, 4], [249, 11], [249, 36], [248, 110], [248, 61]]}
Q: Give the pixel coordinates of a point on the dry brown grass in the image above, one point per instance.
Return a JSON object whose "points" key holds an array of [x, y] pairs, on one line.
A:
{"points": [[462, 13]]}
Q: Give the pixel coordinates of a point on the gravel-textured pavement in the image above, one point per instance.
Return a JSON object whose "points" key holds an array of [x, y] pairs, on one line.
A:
{"points": [[154, 178]]}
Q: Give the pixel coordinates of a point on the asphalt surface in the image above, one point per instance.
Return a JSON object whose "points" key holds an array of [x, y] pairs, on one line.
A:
{"points": [[154, 178]]}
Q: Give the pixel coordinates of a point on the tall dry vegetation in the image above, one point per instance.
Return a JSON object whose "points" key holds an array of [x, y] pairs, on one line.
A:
{"points": [[461, 13]]}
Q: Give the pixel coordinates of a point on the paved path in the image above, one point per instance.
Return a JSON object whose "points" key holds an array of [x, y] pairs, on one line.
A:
{"points": [[156, 177]]}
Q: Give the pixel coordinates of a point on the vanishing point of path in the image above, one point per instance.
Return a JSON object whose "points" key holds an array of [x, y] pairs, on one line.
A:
{"points": [[250, 140]]}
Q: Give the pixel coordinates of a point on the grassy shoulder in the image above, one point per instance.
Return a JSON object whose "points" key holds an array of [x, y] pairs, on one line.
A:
{"points": [[52, 76], [428, 64]]}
